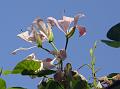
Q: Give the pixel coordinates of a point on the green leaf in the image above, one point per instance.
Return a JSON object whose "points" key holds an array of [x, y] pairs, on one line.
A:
{"points": [[2, 84], [26, 67], [45, 72], [70, 34], [51, 84], [80, 84], [6, 72], [41, 85], [77, 84], [114, 44], [16, 88], [114, 33]]}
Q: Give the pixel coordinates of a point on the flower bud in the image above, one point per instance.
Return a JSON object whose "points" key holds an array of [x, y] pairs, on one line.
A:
{"points": [[70, 34]]}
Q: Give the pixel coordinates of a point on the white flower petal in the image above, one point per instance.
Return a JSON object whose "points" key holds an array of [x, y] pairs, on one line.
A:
{"points": [[99, 85], [40, 25], [48, 63], [68, 19], [77, 17], [22, 49], [52, 20], [25, 36], [65, 23]]}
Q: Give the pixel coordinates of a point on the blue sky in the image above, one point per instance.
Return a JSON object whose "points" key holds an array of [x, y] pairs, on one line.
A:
{"points": [[19, 14]]}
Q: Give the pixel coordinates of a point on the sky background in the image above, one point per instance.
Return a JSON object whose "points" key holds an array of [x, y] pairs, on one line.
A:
{"points": [[100, 15]]}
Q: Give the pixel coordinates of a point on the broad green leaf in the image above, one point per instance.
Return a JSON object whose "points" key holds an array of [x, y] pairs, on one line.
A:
{"points": [[6, 72], [80, 84], [51, 84], [79, 81], [114, 33], [2, 84], [26, 67], [45, 72], [16, 88], [114, 44]]}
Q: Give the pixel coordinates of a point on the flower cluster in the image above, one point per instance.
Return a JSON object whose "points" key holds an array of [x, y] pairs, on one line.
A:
{"points": [[41, 31]]}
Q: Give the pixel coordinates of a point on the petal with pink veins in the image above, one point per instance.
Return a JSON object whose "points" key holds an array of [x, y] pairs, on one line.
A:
{"points": [[82, 30], [53, 22], [77, 17], [25, 36], [39, 23], [48, 63], [68, 19], [65, 23]]}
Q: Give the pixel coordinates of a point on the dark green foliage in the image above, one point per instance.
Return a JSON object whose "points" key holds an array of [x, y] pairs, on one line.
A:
{"points": [[115, 85], [112, 75], [114, 44], [45, 72], [114, 33], [80, 84], [53, 85], [78, 81], [50, 84], [30, 67]]}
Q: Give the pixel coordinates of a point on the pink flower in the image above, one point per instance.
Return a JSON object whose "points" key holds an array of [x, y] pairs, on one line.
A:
{"points": [[42, 28], [64, 24], [38, 28], [38, 31], [48, 63], [61, 55], [30, 36]]}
